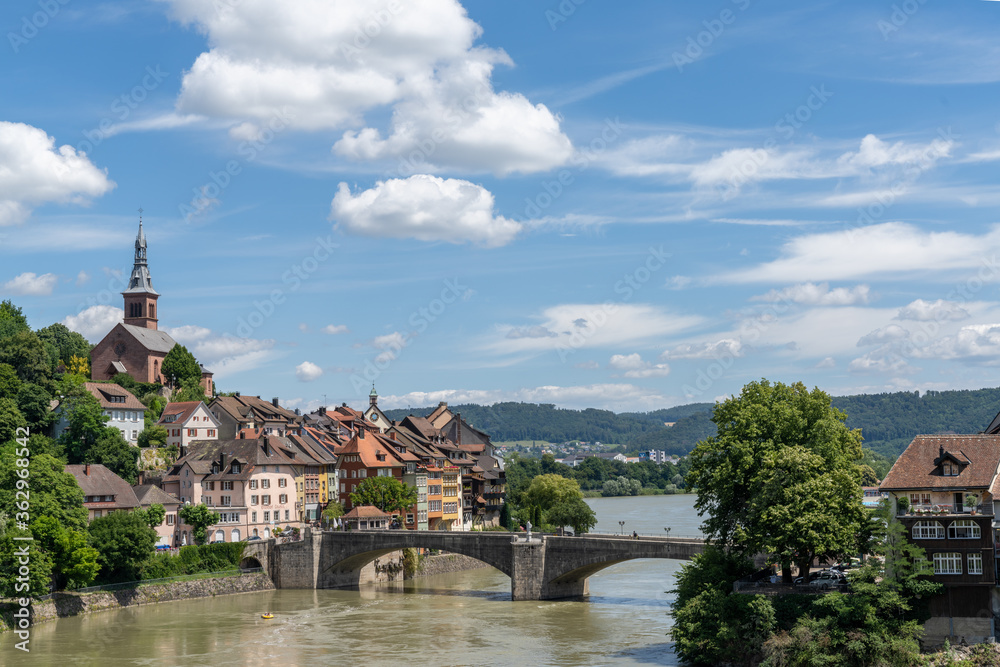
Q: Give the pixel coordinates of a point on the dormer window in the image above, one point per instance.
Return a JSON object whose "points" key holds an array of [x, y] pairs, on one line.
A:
{"points": [[215, 469], [950, 470], [235, 469]]}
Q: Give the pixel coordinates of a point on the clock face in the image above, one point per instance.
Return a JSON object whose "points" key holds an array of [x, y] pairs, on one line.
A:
{"points": [[120, 349], [374, 417]]}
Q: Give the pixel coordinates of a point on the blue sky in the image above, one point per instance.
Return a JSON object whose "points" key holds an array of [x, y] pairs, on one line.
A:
{"points": [[626, 206]]}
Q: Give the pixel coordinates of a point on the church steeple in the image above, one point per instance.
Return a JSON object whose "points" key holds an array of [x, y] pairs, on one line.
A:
{"points": [[140, 297]]}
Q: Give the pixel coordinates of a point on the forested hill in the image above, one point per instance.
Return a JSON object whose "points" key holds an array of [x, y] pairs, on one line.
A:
{"points": [[888, 421]]}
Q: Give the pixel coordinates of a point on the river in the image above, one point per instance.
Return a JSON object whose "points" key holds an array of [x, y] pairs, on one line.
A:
{"points": [[462, 618]]}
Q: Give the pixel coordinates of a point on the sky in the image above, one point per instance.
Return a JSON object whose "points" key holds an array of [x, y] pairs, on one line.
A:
{"points": [[626, 206]]}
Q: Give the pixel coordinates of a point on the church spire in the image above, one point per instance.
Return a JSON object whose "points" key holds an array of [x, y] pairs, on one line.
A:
{"points": [[140, 297]]}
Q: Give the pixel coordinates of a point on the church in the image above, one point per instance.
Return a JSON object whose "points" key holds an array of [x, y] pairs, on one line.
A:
{"points": [[135, 346]]}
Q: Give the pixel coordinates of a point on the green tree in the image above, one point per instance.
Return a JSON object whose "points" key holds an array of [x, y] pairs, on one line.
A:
{"points": [[547, 491], [74, 561], [506, 520], [748, 491], [39, 572], [386, 493], [12, 320], [179, 366], [27, 355], [86, 424], [67, 343], [190, 390], [10, 384], [155, 515], [54, 492], [153, 436], [115, 453], [334, 510], [11, 419], [199, 517], [33, 400], [125, 542], [574, 513]]}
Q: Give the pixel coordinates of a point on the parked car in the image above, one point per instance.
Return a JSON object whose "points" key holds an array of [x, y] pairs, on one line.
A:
{"points": [[253, 537], [827, 580]]}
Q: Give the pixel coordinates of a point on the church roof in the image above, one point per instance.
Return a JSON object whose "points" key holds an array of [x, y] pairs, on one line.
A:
{"points": [[140, 282], [151, 339]]}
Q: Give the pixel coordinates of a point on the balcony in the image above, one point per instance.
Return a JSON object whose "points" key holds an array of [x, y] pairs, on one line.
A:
{"points": [[985, 509]]}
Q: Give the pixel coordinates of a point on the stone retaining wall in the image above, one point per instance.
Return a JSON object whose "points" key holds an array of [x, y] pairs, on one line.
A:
{"points": [[71, 604], [445, 563]]}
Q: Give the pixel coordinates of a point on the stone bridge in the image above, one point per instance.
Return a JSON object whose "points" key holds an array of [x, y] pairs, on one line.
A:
{"points": [[545, 568]]}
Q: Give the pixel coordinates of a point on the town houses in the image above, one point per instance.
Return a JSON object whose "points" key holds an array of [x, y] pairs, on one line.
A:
{"points": [[264, 469]]}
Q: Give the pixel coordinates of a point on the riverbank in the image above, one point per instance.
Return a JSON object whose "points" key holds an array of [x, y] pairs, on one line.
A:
{"points": [[72, 604]]}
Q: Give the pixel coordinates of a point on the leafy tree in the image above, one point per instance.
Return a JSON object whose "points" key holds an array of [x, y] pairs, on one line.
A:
{"points": [[199, 517], [386, 493], [155, 515], [86, 424], [33, 400], [547, 491], [12, 320], [27, 355], [190, 390], [334, 510], [505, 518], [78, 366], [125, 381], [54, 492], [179, 366], [74, 561], [125, 542], [753, 496], [574, 513], [11, 419], [39, 574], [10, 384], [68, 344], [153, 436]]}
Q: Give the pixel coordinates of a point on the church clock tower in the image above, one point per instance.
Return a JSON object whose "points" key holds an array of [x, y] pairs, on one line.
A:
{"points": [[140, 297]]}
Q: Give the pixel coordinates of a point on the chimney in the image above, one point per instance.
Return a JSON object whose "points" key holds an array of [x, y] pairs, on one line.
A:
{"points": [[443, 404], [392, 435], [322, 410], [274, 402], [142, 478], [458, 428], [222, 462], [86, 469]]}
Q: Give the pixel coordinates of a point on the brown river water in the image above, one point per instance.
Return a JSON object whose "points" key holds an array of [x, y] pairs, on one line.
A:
{"points": [[462, 618]]}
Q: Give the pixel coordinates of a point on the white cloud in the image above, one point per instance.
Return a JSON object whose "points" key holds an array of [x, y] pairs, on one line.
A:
{"points": [[223, 354], [531, 332], [727, 347], [390, 344], [891, 249], [884, 359], [874, 152], [678, 282], [811, 294], [95, 322], [334, 329], [33, 172], [828, 362], [974, 342], [627, 362], [308, 372], [579, 326], [303, 327], [937, 311], [82, 278], [189, 334], [426, 208], [884, 335], [29, 284], [314, 58]]}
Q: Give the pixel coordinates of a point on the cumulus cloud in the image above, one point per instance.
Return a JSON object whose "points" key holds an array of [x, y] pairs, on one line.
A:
{"points": [[932, 311], [812, 294], [95, 322], [327, 63], [426, 208], [307, 371], [223, 354], [33, 172], [334, 329], [727, 347], [29, 284], [82, 278], [883, 335], [978, 343], [390, 345], [634, 366], [884, 359], [828, 362]]}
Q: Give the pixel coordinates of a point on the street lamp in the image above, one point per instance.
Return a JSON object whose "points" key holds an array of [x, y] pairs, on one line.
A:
{"points": [[667, 530], [621, 524]]}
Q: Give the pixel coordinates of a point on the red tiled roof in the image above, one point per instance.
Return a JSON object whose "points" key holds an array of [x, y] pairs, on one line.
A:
{"points": [[103, 482], [183, 411], [104, 392], [367, 446], [366, 512], [916, 467]]}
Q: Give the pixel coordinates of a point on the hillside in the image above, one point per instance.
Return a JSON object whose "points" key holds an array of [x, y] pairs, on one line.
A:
{"points": [[888, 421]]}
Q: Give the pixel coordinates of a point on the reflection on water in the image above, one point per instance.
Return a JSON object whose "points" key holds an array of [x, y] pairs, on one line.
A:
{"points": [[462, 618]]}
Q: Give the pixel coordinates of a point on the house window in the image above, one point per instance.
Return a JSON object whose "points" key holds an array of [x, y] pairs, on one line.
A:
{"points": [[949, 470], [948, 563], [282, 483], [265, 500], [451, 508], [227, 486], [170, 519], [342, 485], [964, 529], [208, 500], [975, 563], [384, 472], [236, 467], [434, 490], [253, 484], [227, 501], [286, 515], [422, 516], [210, 486], [211, 432], [192, 432], [434, 506], [928, 530], [282, 499], [363, 472], [253, 500], [267, 517], [253, 519], [920, 499], [409, 518], [265, 484]]}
